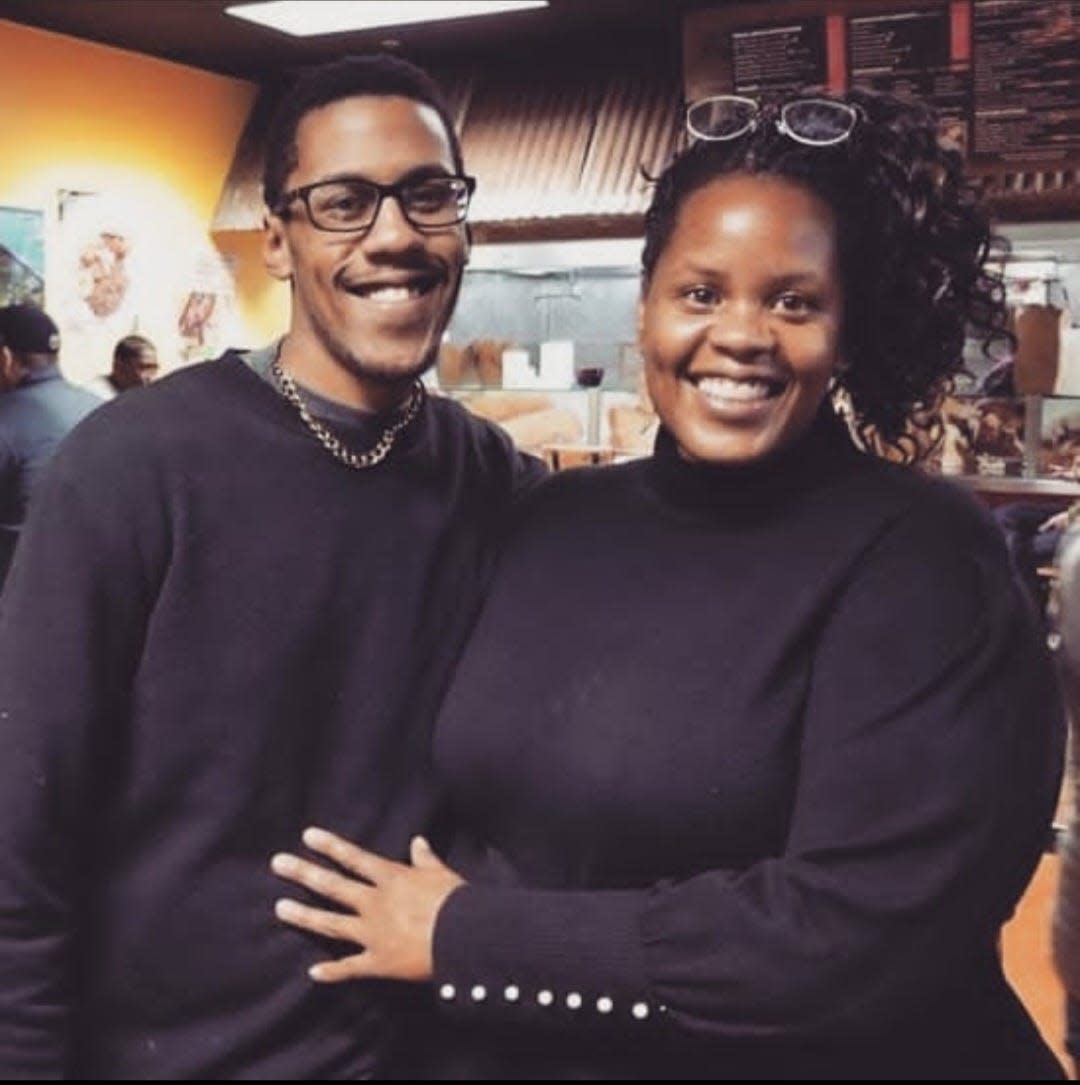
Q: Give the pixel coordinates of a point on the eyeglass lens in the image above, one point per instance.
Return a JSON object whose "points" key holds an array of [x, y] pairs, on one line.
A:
{"points": [[817, 120], [721, 117], [352, 204]]}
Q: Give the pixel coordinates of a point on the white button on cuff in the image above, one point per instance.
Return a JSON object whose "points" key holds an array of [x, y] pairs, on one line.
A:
{"points": [[447, 992], [512, 993], [545, 998], [573, 1001], [604, 1004], [478, 993], [639, 1011]]}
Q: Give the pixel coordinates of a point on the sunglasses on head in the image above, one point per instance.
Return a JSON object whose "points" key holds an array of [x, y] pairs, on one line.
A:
{"points": [[815, 122]]}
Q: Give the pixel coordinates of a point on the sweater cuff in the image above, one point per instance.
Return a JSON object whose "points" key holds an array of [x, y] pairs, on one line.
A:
{"points": [[533, 955]]}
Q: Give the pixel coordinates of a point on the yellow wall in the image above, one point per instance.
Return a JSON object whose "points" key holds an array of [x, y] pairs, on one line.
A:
{"points": [[264, 302], [155, 141]]}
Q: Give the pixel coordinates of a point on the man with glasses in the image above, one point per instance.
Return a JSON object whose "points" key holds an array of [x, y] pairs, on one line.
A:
{"points": [[243, 589]]}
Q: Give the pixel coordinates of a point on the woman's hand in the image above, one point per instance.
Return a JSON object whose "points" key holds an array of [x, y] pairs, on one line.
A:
{"points": [[391, 907], [1058, 522]]}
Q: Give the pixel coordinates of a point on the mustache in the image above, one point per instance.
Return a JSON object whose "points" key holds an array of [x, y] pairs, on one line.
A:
{"points": [[422, 265]]}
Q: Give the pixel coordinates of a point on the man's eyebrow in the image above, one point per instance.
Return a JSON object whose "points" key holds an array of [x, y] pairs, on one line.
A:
{"points": [[417, 173], [426, 172]]}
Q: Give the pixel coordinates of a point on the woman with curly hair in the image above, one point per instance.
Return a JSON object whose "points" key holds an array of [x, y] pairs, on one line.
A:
{"points": [[755, 745]]}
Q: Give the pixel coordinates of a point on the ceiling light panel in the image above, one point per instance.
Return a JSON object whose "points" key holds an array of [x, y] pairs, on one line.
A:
{"points": [[309, 18]]}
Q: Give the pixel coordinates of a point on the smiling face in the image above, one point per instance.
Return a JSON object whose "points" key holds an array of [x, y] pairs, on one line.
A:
{"points": [[368, 307], [740, 321]]}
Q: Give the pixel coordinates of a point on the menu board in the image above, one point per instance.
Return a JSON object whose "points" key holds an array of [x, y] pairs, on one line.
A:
{"points": [[1003, 75], [775, 58], [914, 54], [1027, 80]]}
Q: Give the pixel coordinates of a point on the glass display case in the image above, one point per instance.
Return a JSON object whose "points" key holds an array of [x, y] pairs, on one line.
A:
{"points": [[1013, 427], [543, 342]]}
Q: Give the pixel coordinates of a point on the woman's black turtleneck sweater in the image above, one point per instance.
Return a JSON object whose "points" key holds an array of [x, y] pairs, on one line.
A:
{"points": [[761, 759]]}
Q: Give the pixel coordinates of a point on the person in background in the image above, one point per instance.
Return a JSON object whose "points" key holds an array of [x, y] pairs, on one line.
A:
{"points": [[38, 408], [1033, 532], [238, 584], [1065, 619], [134, 364], [756, 739]]}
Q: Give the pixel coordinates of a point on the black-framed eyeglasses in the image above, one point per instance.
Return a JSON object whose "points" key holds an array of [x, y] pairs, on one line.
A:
{"points": [[352, 203], [816, 122]]}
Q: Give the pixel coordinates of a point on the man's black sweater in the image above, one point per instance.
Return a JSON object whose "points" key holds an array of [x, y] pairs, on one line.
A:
{"points": [[214, 635]]}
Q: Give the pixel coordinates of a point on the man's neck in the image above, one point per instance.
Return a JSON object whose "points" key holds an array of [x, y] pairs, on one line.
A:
{"points": [[337, 383], [40, 371]]}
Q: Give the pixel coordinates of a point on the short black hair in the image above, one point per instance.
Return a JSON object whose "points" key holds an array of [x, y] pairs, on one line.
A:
{"points": [[375, 74], [913, 240], [131, 347]]}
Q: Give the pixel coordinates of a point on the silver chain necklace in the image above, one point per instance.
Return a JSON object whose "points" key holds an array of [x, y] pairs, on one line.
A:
{"points": [[357, 460]]}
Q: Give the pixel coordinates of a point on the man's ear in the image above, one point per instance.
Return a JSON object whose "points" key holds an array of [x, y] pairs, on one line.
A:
{"points": [[12, 370], [277, 257]]}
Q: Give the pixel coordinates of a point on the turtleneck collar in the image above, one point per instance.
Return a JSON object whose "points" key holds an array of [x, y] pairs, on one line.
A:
{"points": [[814, 460]]}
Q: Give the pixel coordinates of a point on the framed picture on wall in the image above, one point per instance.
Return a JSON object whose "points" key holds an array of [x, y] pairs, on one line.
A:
{"points": [[22, 256], [98, 277], [207, 321]]}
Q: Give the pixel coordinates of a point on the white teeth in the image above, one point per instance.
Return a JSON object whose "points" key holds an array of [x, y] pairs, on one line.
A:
{"points": [[723, 389], [390, 294]]}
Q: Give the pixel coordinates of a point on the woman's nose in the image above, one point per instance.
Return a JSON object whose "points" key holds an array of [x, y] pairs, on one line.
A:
{"points": [[740, 330]]}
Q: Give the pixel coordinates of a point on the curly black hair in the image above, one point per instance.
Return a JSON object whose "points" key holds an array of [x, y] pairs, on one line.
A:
{"points": [[916, 251], [346, 77]]}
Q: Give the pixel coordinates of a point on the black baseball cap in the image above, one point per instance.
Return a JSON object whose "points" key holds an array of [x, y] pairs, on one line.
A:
{"points": [[26, 329]]}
